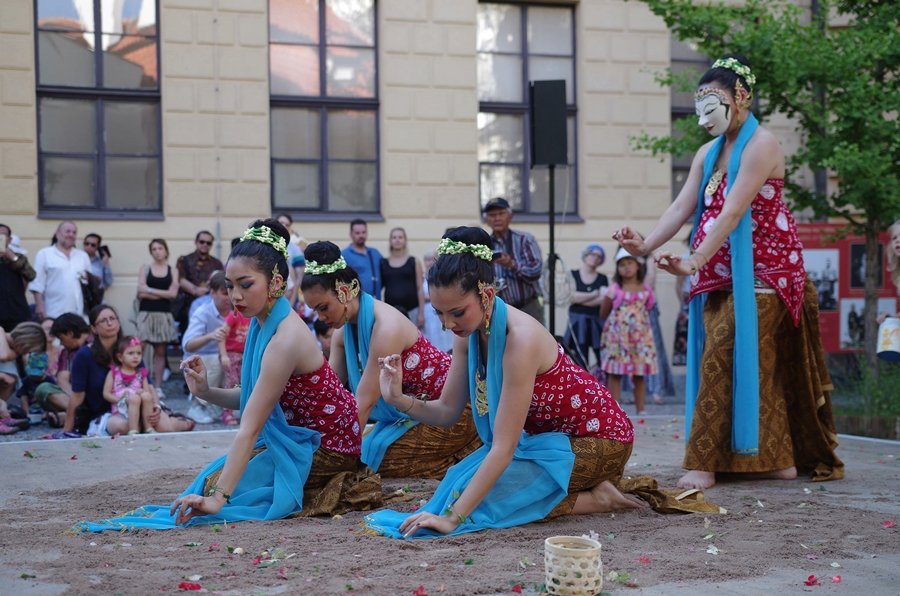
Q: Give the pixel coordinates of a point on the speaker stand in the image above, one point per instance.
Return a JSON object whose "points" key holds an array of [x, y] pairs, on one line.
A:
{"points": [[552, 257]]}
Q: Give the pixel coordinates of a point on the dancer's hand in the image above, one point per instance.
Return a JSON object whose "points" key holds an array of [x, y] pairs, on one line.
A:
{"points": [[631, 241], [439, 523], [188, 506], [674, 264], [391, 380], [195, 376]]}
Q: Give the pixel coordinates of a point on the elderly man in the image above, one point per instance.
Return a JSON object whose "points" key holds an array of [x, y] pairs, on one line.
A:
{"points": [[61, 270], [517, 260]]}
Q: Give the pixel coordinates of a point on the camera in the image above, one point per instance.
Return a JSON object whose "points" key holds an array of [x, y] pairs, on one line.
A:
{"points": [[104, 251]]}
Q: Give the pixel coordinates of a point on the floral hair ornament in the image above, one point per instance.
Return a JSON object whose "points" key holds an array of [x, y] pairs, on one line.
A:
{"points": [[736, 66], [313, 268], [134, 341], [453, 247], [266, 235]]}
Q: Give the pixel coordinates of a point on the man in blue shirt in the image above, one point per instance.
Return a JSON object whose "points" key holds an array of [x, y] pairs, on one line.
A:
{"points": [[366, 261]]}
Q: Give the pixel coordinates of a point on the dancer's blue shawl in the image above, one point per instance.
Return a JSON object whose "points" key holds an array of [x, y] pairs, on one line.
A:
{"points": [[390, 424], [536, 479], [745, 375], [272, 484]]}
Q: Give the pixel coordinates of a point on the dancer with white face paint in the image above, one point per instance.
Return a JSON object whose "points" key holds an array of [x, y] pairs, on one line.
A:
{"points": [[753, 314]]}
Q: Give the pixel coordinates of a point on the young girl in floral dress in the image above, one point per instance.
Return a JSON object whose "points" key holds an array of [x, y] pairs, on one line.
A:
{"points": [[627, 346], [127, 386]]}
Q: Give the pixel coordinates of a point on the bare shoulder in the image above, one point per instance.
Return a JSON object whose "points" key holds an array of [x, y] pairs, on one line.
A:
{"points": [[528, 343]]}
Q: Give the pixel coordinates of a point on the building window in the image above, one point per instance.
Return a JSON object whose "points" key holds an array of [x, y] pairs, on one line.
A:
{"points": [[324, 119], [517, 44], [688, 66], [98, 106]]}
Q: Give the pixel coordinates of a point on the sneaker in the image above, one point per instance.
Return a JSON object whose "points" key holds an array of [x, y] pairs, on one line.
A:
{"points": [[167, 374], [199, 414]]}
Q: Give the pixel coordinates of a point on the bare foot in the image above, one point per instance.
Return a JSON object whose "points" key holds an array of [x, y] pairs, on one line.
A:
{"points": [[605, 497], [784, 474], [697, 479]]}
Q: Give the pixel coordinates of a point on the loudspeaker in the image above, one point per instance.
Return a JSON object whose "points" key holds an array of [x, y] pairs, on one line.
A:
{"points": [[548, 122]]}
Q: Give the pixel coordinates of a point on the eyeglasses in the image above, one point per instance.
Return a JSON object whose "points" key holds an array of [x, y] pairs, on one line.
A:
{"points": [[205, 242], [91, 244], [107, 321]]}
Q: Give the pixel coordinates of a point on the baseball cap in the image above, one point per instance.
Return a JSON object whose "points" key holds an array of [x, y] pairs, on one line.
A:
{"points": [[496, 203]]}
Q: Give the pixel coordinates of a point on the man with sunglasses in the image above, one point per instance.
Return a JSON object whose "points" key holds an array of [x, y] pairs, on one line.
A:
{"points": [[99, 256], [194, 270]]}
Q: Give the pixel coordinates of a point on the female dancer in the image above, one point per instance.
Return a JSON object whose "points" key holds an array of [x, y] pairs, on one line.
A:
{"points": [[556, 442], [750, 298], [368, 329], [299, 427]]}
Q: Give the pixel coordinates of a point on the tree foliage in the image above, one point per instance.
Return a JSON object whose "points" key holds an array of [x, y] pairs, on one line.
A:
{"points": [[835, 72]]}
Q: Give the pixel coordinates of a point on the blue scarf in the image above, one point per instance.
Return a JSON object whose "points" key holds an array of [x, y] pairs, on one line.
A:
{"points": [[535, 481], [390, 424], [745, 371], [272, 484]]}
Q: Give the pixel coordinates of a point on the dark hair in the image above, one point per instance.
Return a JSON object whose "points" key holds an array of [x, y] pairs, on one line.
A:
{"points": [[266, 258], [158, 241], [324, 252], [94, 235], [123, 343], [641, 272], [234, 241], [201, 232], [321, 327], [8, 229], [69, 323], [28, 336], [216, 281], [100, 354], [358, 222], [464, 269], [726, 77]]}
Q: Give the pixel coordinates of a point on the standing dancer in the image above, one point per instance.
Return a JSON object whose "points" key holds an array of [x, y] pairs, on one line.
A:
{"points": [[555, 441], [298, 444], [367, 329], [758, 393]]}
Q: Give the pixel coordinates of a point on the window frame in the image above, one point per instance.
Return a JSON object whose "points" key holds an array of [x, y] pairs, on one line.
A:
{"points": [[98, 95], [325, 104], [523, 109]]}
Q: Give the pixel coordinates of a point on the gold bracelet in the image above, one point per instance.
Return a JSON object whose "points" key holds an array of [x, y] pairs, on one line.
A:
{"points": [[412, 403]]}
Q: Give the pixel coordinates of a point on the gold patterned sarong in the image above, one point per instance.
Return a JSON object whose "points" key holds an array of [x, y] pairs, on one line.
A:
{"points": [[337, 483], [796, 427], [596, 460], [426, 451]]}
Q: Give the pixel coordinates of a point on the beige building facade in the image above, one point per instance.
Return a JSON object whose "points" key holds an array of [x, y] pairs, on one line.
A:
{"points": [[428, 166]]}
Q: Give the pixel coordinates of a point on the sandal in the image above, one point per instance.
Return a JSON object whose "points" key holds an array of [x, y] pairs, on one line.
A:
{"points": [[8, 430], [18, 423], [55, 419]]}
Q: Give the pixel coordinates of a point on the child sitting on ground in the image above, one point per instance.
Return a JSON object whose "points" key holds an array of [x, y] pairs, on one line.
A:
{"points": [[128, 389], [231, 356]]}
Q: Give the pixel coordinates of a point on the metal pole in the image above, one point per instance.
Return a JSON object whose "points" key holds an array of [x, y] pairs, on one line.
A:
{"points": [[551, 258]]}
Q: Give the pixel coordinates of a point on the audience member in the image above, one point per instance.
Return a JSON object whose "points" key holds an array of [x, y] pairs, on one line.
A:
{"points": [[434, 330], [61, 271], [364, 260], [231, 355], [53, 397], [401, 277], [204, 332], [128, 389], [194, 270], [25, 339], [99, 256], [296, 261], [324, 331], [15, 273], [517, 261], [585, 325], [157, 288]]}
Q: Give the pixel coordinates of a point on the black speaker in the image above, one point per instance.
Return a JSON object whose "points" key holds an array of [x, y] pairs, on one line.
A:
{"points": [[548, 123]]}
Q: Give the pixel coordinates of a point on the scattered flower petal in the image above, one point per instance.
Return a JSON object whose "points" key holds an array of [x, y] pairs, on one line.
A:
{"points": [[517, 589], [712, 549], [836, 579], [214, 546], [189, 586], [74, 457], [28, 454], [644, 560], [282, 573], [811, 557], [812, 580], [835, 564], [888, 523], [194, 578], [641, 421], [420, 591]]}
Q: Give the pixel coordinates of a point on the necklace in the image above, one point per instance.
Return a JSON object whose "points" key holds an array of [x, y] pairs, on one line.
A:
{"points": [[714, 182], [481, 400]]}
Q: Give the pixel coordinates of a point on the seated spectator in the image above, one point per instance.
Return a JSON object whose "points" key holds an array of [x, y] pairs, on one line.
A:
{"points": [[128, 389], [72, 333], [17, 366], [324, 331]]}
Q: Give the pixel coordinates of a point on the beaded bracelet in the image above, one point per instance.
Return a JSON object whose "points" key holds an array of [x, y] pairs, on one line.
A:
{"points": [[460, 518], [216, 489]]}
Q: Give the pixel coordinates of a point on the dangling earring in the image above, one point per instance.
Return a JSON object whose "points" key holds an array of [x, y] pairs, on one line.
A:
{"points": [[487, 323], [485, 305], [276, 290]]}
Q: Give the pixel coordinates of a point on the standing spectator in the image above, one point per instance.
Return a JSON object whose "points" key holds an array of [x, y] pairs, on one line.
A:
{"points": [[364, 260], [585, 324], [61, 271], [661, 384], [517, 262], [296, 261], [99, 256], [401, 276], [15, 273], [157, 288], [204, 332], [434, 330], [194, 270]]}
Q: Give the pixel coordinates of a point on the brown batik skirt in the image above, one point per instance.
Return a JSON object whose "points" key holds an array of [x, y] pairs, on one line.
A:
{"points": [[337, 483], [427, 451], [596, 460], [796, 427]]}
